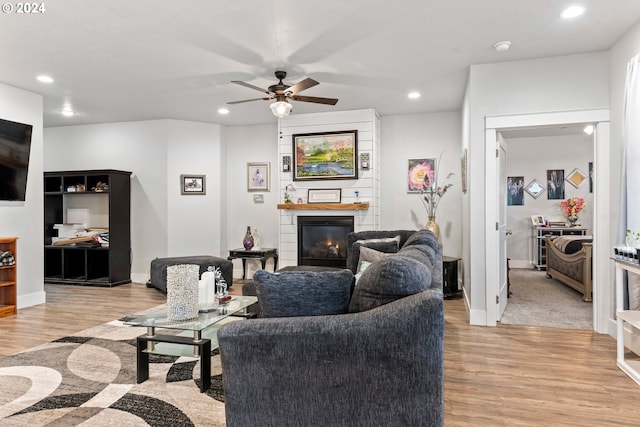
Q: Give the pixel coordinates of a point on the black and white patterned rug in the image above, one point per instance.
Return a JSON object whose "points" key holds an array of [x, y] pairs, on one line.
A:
{"points": [[89, 379]]}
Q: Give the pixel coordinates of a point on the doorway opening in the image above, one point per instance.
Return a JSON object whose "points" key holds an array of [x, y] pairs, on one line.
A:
{"points": [[493, 263]]}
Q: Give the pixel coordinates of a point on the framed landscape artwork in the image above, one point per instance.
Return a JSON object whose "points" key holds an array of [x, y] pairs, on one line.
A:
{"points": [[325, 156]]}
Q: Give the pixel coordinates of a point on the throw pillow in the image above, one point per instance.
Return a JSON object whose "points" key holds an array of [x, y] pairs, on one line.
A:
{"points": [[387, 245], [303, 293], [388, 280], [370, 255]]}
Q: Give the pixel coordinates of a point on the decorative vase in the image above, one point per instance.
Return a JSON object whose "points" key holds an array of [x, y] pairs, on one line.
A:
{"points": [[248, 240], [182, 292], [433, 226], [572, 220]]}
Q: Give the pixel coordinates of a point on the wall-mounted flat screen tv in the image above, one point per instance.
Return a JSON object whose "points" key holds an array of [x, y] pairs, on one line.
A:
{"points": [[15, 145]]}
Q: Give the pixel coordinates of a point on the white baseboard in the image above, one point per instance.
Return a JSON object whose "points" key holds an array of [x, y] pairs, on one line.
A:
{"points": [[35, 298], [520, 263], [139, 277]]}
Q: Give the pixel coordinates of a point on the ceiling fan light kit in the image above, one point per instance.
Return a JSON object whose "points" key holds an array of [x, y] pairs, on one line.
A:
{"points": [[281, 109], [282, 92]]}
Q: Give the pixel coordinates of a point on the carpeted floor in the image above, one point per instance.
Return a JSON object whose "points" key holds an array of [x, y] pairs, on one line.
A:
{"points": [[59, 384], [538, 301]]}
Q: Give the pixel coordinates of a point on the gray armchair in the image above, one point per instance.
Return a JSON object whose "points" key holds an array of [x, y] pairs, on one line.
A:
{"points": [[381, 367]]}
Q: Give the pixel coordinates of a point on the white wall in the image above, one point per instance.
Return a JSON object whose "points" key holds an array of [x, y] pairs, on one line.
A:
{"points": [[194, 220], [157, 152], [248, 144], [541, 85], [24, 219], [531, 158], [413, 137]]}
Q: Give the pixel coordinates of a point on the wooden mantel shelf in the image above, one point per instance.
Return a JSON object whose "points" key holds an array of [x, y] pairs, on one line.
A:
{"points": [[325, 206]]}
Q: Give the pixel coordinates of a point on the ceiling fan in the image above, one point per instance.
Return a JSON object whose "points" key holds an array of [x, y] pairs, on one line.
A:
{"points": [[281, 92]]}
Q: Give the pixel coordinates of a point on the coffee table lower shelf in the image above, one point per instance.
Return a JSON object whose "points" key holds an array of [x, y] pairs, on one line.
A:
{"points": [[203, 350]]}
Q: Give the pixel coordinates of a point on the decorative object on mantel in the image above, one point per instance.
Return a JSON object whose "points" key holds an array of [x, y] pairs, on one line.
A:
{"points": [[287, 195], [357, 194], [423, 177], [571, 208], [248, 240], [327, 155], [333, 195], [182, 292]]}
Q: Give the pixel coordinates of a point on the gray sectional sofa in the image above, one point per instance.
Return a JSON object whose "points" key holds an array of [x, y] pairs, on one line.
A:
{"points": [[378, 362]]}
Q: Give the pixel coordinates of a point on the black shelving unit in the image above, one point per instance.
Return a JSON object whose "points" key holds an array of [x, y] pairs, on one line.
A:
{"points": [[95, 266]]}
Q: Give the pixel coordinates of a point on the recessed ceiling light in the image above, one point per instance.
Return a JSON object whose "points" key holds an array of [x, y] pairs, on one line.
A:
{"points": [[67, 112], [414, 95], [44, 78], [223, 111], [502, 46], [572, 12], [588, 129]]}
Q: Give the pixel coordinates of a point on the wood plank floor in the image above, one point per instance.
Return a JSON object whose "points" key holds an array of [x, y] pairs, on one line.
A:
{"points": [[502, 376]]}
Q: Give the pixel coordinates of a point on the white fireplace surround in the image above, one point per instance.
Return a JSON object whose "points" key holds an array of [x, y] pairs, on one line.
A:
{"points": [[367, 123]]}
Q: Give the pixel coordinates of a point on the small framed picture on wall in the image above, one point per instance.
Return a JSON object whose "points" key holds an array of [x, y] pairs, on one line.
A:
{"points": [[193, 184]]}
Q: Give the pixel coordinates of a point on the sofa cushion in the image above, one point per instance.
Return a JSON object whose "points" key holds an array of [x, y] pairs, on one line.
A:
{"points": [[387, 280], [422, 237], [303, 293]]}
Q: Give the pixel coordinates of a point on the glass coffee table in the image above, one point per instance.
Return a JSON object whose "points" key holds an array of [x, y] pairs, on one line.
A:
{"points": [[197, 337]]}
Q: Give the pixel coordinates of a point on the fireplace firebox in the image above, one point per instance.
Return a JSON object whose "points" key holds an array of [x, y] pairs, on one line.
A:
{"points": [[322, 240]]}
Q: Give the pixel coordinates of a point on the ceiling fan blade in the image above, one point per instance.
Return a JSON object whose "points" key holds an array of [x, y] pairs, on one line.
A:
{"points": [[250, 86], [302, 85], [249, 100], [328, 101]]}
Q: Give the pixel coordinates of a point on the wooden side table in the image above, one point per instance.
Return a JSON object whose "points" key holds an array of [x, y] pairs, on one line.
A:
{"points": [[262, 254]]}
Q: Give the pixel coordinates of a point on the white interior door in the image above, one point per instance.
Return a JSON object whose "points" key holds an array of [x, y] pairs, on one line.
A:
{"points": [[503, 231]]}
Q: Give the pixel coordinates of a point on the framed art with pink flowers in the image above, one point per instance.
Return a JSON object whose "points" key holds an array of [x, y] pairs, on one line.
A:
{"points": [[421, 174]]}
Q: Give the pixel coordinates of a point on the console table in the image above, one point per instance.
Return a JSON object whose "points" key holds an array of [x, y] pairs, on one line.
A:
{"points": [[262, 254]]}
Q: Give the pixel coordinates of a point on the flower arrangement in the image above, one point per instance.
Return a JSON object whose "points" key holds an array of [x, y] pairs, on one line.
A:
{"points": [[423, 178], [572, 206]]}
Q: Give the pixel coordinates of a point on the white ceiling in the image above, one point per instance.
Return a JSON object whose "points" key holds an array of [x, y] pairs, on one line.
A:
{"points": [[124, 60]]}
